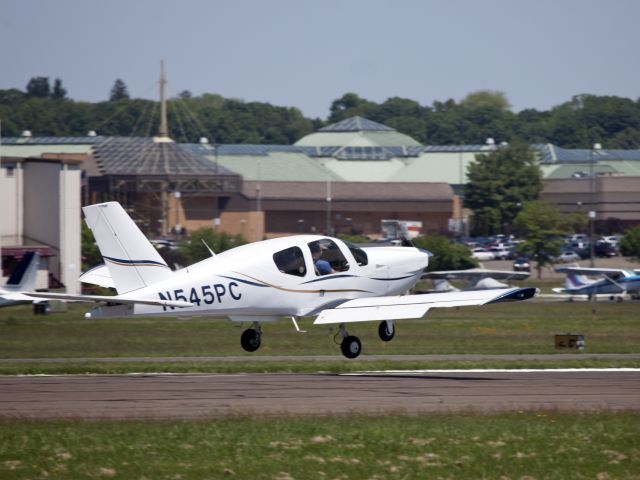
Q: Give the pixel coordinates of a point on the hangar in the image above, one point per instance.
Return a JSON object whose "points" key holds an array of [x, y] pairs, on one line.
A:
{"points": [[344, 178], [40, 198]]}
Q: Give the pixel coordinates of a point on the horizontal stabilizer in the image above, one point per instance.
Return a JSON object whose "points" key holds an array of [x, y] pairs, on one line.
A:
{"points": [[415, 306], [99, 275]]}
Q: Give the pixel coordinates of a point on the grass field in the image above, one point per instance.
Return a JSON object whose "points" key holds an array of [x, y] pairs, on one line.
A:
{"points": [[542, 445], [519, 328], [527, 445]]}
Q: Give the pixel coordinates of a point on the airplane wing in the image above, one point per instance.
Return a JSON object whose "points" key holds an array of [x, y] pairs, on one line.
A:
{"points": [[592, 271], [476, 273], [113, 299], [99, 275], [415, 306]]}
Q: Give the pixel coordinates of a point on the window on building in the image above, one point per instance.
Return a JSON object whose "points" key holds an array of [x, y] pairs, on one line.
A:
{"points": [[290, 261]]}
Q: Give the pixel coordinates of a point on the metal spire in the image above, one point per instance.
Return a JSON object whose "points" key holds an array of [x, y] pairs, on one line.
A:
{"points": [[163, 133]]}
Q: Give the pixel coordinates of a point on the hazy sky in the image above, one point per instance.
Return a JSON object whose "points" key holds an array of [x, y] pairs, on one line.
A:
{"points": [[307, 53]]}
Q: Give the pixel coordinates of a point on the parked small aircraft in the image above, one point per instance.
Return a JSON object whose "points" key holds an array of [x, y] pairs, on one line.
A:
{"points": [[23, 278], [476, 278], [611, 281], [298, 276]]}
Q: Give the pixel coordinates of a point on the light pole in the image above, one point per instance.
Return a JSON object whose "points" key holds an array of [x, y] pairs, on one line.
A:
{"points": [[592, 211], [329, 230]]}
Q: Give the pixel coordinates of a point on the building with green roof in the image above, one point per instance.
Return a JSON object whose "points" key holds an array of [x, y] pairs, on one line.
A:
{"points": [[354, 151]]}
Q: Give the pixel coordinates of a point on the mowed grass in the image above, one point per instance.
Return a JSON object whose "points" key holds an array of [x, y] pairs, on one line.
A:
{"points": [[515, 328], [542, 445]]}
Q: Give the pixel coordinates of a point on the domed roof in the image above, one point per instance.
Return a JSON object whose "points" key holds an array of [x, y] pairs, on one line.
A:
{"points": [[357, 132], [356, 124]]}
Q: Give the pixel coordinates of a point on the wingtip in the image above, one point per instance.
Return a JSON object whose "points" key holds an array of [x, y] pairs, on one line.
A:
{"points": [[516, 295]]}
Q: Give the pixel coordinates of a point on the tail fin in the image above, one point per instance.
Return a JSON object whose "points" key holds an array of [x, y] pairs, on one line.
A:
{"points": [[23, 277], [574, 281], [131, 259]]}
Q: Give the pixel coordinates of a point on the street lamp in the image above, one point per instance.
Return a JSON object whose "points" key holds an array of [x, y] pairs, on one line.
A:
{"points": [[592, 211]]}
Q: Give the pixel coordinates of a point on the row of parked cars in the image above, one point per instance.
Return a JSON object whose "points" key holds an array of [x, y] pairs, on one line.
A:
{"points": [[576, 247], [499, 247]]}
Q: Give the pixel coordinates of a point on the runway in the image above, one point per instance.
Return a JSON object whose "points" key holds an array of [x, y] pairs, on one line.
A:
{"points": [[207, 395]]}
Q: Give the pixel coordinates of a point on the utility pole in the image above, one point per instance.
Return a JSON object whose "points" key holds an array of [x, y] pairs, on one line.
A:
{"points": [[329, 229], [592, 211]]}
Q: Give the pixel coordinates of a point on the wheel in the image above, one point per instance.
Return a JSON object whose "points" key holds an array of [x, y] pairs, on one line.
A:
{"points": [[351, 347], [386, 330], [250, 340]]}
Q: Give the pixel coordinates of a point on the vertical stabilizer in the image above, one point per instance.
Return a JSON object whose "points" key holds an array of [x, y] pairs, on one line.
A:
{"points": [[23, 277], [131, 259], [575, 281]]}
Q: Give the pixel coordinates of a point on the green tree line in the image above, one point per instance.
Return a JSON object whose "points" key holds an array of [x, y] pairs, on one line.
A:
{"points": [[578, 123]]}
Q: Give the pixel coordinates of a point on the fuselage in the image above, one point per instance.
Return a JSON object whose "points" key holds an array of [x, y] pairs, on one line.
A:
{"points": [[273, 278], [628, 283]]}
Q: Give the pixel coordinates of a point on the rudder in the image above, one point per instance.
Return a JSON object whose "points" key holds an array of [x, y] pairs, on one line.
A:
{"points": [[131, 259]]}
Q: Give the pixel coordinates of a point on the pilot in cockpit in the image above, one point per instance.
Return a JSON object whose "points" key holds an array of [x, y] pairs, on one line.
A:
{"points": [[322, 267]]}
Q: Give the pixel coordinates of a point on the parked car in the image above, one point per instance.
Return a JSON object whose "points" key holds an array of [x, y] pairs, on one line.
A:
{"points": [[500, 253], [521, 264], [568, 257], [480, 253], [612, 240], [604, 249]]}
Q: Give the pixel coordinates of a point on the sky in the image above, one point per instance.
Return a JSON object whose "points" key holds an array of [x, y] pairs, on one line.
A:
{"points": [[308, 53]]}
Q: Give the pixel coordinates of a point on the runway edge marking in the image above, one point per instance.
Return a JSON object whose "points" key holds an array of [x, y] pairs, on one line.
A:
{"points": [[494, 370]]}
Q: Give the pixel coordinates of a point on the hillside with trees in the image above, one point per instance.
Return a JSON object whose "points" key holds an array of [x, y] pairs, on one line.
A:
{"points": [[46, 109]]}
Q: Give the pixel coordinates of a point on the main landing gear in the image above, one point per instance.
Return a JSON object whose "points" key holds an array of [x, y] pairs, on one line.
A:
{"points": [[251, 338], [386, 330], [351, 345]]}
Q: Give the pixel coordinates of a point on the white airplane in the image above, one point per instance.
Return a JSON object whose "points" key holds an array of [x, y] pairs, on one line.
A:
{"points": [[476, 278], [612, 281], [265, 281], [23, 278]]}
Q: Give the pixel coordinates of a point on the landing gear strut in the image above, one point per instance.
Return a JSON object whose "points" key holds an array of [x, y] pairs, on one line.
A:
{"points": [[350, 346], [251, 337], [386, 330]]}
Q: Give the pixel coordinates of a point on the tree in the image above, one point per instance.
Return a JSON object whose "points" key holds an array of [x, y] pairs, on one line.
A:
{"points": [[486, 98], [59, 92], [575, 222], [193, 249], [90, 253], [39, 87], [349, 105], [118, 91], [630, 243], [446, 254], [499, 184], [539, 224]]}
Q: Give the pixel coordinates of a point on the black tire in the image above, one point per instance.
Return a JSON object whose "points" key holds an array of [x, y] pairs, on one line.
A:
{"points": [[250, 340], [384, 333], [351, 347]]}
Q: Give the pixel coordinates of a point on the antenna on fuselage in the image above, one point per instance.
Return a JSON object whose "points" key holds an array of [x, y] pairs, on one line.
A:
{"points": [[208, 248]]}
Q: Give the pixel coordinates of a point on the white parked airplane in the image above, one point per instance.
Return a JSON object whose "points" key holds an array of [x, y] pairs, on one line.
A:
{"points": [[23, 278], [298, 276], [476, 278], [611, 281]]}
